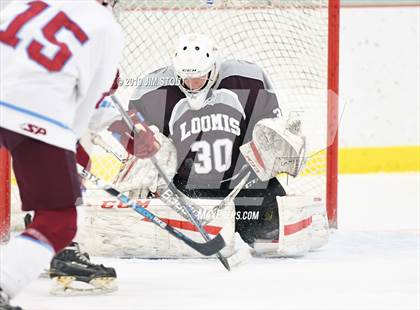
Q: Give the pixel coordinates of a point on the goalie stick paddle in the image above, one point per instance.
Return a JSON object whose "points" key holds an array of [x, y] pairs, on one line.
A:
{"points": [[172, 190], [232, 194], [208, 248]]}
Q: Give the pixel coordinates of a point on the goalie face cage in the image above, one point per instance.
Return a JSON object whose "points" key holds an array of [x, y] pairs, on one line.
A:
{"points": [[294, 41]]}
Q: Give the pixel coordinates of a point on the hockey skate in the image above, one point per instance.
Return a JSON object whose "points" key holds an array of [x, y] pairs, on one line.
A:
{"points": [[4, 302], [75, 274]]}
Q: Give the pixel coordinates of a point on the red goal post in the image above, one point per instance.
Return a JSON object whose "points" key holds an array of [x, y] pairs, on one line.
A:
{"points": [[333, 114], [295, 41]]}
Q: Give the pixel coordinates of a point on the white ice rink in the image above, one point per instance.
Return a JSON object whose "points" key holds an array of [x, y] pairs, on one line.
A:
{"points": [[371, 262]]}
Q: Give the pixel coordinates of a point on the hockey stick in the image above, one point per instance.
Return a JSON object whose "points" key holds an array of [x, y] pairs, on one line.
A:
{"points": [[99, 141], [231, 195], [172, 191], [208, 248]]}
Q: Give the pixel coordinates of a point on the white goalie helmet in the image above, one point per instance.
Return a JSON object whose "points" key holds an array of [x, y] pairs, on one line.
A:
{"points": [[196, 63]]}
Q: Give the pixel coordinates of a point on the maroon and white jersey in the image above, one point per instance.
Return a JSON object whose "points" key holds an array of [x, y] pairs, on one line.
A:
{"points": [[207, 140], [57, 60]]}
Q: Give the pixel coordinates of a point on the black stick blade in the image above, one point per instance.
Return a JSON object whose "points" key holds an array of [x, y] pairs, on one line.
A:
{"points": [[208, 248]]}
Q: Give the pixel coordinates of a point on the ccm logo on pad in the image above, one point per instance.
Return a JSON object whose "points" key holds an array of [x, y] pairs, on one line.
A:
{"points": [[36, 130]]}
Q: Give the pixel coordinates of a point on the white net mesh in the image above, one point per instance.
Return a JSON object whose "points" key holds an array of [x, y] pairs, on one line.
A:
{"points": [[287, 38]]}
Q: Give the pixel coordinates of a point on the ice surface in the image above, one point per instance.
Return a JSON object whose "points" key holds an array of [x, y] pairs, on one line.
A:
{"points": [[371, 262]]}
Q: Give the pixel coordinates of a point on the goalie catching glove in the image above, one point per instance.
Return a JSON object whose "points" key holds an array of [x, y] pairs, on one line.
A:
{"points": [[139, 176], [277, 147]]}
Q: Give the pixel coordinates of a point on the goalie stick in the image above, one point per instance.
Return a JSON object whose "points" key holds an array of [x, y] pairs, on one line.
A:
{"points": [[208, 248], [233, 194], [172, 191]]}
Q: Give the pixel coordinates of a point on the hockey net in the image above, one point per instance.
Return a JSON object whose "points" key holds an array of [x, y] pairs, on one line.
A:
{"points": [[292, 40]]}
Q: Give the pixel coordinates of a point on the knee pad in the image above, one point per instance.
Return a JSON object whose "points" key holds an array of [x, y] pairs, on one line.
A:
{"points": [[57, 226]]}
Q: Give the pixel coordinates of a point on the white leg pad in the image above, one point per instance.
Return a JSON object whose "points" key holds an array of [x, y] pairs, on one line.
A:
{"points": [[299, 230], [112, 229], [319, 228], [22, 260]]}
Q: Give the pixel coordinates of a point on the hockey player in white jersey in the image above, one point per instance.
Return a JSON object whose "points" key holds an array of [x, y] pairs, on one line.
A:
{"points": [[222, 117], [58, 59]]}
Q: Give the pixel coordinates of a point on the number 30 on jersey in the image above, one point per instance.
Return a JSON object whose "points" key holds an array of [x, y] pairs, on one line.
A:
{"points": [[217, 155]]}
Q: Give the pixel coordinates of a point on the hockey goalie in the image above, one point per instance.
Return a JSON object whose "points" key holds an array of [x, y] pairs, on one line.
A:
{"points": [[222, 134]]}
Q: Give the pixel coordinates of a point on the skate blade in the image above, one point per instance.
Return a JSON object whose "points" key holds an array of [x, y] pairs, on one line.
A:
{"points": [[69, 286]]}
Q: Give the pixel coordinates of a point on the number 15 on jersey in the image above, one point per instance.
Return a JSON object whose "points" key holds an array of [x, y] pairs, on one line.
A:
{"points": [[35, 49]]}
